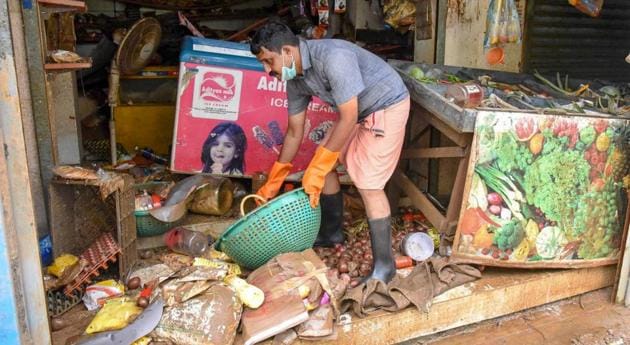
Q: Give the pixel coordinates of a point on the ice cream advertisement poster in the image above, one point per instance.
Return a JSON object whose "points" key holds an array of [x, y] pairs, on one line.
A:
{"points": [[544, 191], [233, 121]]}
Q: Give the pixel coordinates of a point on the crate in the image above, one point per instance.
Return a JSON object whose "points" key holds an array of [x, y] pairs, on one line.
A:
{"points": [[79, 216]]}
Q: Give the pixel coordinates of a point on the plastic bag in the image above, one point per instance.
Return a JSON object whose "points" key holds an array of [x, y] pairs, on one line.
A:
{"points": [[211, 318], [142, 341], [502, 23], [590, 7], [399, 14], [61, 264], [116, 314], [97, 294]]}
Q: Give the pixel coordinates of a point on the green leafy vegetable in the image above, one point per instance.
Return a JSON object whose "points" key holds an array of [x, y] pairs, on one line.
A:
{"points": [[588, 135], [553, 143], [552, 182], [502, 184], [485, 137], [510, 154], [510, 235]]}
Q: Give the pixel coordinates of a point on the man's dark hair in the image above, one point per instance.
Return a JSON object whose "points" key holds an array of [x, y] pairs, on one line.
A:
{"points": [[273, 36]]}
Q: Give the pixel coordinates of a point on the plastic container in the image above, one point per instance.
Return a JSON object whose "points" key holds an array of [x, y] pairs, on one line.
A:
{"points": [[215, 198], [418, 246], [468, 95], [45, 250], [184, 241], [285, 224], [403, 262], [146, 224], [495, 55]]}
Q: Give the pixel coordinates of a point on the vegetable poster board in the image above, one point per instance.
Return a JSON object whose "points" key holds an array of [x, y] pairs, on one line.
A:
{"points": [[544, 191]]}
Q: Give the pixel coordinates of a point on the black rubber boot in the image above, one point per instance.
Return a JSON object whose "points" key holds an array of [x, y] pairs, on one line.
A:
{"points": [[383, 264], [331, 228]]}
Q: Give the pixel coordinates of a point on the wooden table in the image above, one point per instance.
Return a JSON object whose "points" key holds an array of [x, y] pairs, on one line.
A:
{"points": [[430, 109]]}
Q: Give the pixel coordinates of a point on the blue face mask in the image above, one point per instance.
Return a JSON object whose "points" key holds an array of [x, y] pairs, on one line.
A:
{"points": [[288, 73]]}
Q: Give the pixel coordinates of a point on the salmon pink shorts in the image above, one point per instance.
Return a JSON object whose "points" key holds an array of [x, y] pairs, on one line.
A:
{"points": [[373, 148]]}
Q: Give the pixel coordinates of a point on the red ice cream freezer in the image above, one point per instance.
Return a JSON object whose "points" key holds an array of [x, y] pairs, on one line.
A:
{"points": [[231, 116]]}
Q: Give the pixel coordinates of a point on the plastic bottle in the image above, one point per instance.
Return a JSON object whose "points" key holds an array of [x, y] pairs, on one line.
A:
{"points": [[468, 95], [188, 242]]}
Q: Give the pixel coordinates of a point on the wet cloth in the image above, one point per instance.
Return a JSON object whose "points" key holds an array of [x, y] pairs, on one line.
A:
{"points": [[373, 148], [427, 280], [337, 70]]}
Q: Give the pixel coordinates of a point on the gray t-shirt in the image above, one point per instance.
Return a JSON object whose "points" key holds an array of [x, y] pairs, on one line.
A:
{"points": [[336, 70]]}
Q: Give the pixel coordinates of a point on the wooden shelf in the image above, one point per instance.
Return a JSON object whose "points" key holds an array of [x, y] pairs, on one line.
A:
{"points": [[67, 66], [68, 4]]}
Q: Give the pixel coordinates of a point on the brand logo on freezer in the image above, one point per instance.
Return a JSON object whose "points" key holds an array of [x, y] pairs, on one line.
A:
{"points": [[217, 87], [217, 93]]}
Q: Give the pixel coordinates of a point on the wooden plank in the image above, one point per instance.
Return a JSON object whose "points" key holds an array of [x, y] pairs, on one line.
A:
{"points": [[623, 268], [498, 293], [419, 200], [419, 128], [78, 5], [67, 66], [433, 152], [457, 196], [460, 139]]}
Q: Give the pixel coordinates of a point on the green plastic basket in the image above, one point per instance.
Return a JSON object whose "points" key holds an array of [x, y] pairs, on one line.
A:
{"points": [[286, 224], [146, 224]]}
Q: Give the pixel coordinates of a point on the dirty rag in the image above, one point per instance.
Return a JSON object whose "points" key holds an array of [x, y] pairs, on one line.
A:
{"points": [[427, 280]]}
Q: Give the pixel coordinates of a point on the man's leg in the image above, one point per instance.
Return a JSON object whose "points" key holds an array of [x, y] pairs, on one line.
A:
{"points": [[331, 202], [379, 220]]}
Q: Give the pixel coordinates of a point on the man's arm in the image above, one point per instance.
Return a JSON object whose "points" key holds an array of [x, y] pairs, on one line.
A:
{"points": [[348, 114], [293, 138]]}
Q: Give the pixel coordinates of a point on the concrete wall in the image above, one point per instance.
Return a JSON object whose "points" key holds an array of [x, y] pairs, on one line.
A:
{"points": [[465, 28]]}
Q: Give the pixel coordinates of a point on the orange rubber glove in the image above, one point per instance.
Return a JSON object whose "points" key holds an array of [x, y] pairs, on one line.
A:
{"points": [[278, 173], [315, 175]]}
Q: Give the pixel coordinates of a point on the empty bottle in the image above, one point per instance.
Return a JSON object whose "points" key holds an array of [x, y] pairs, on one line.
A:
{"points": [[188, 242]]}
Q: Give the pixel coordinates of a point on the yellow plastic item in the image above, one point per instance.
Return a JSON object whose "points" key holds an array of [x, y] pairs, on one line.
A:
{"points": [[217, 255], [250, 295], [309, 305], [110, 283], [61, 263], [142, 341], [116, 314], [303, 291], [233, 269]]}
